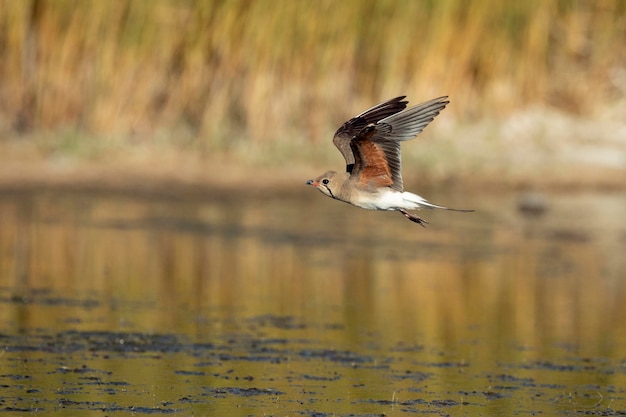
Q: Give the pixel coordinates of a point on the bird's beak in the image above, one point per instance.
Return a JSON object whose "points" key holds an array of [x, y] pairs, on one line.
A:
{"points": [[313, 183]]}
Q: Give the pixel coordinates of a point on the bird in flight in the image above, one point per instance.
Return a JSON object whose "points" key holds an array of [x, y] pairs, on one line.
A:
{"points": [[370, 144]]}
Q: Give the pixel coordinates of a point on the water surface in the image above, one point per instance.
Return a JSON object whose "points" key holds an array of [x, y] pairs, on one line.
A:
{"points": [[299, 305]]}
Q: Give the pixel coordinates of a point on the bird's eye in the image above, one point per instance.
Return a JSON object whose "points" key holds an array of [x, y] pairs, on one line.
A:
{"points": [[325, 181]]}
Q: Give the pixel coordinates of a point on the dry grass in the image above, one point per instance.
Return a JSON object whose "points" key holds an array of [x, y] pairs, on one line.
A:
{"points": [[265, 78]]}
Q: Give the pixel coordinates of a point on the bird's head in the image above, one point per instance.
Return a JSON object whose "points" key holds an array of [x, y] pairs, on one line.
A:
{"points": [[329, 183]]}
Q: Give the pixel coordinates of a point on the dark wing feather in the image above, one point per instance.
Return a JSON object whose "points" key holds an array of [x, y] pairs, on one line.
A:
{"points": [[409, 123], [376, 148], [352, 127]]}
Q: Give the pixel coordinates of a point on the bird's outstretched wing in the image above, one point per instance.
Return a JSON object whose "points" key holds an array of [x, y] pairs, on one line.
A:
{"points": [[376, 147], [354, 126]]}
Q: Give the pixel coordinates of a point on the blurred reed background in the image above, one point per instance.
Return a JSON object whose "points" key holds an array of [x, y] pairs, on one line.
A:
{"points": [[168, 83]]}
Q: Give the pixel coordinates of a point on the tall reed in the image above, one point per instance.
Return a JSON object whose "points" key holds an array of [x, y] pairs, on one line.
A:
{"points": [[264, 69]]}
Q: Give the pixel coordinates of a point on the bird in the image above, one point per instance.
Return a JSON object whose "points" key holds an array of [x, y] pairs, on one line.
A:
{"points": [[370, 144]]}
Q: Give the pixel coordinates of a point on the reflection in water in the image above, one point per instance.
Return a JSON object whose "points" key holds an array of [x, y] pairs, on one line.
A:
{"points": [[334, 309]]}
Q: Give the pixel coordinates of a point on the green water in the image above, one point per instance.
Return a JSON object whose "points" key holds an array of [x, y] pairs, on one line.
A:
{"points": [[296, 304]]}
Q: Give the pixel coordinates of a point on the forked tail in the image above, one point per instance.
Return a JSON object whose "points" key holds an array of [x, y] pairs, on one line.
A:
{"points": [[421, 202]]}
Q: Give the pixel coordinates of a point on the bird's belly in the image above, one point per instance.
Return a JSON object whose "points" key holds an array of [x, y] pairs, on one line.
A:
{"points": [[382, 200]]}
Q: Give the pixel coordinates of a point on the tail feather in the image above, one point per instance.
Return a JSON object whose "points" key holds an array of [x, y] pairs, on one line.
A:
{"points": [[421, 202], [431, 206]]}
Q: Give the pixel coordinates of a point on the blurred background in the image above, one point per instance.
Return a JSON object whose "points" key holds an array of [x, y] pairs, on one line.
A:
{"points": [[204, 91], [160, 252]]}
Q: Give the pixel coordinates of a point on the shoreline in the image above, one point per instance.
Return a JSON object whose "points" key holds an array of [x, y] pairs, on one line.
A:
{"points": [[536, 151], [193, 182]]}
